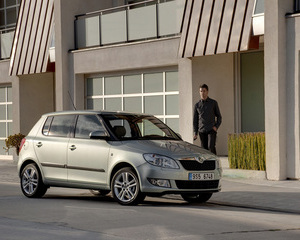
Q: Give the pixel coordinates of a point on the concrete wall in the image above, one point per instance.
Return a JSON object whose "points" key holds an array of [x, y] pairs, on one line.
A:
{"points": [[293, 96], [218, 73], [36, 97], [275, 87], [146, 54]]}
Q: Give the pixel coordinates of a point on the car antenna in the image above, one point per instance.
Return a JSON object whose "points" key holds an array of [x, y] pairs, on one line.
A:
{"points": [[72, 100]]}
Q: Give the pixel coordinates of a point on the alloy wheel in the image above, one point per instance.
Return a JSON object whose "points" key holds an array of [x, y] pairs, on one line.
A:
{"points": [[29, 180], [125, 187]]}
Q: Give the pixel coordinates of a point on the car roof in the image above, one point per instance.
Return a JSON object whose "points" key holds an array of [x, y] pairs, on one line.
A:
{"points": [[92, 112]]}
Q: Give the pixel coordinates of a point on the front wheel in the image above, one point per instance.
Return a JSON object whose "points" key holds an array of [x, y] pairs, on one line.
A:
{"points": [[31, 182], [125, 187], [196, 198]]}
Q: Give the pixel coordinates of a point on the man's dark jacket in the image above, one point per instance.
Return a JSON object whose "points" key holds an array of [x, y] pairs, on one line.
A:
{"points": [[206, 116]]}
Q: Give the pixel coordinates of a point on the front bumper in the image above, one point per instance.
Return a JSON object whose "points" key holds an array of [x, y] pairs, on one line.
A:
{"points": [[179, 180]]}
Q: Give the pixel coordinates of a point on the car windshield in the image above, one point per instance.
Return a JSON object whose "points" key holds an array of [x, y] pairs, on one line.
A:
{"points": [[138, 127]]}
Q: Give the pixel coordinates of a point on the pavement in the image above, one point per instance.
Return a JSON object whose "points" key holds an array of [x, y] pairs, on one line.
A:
{"points": [[240, 188]]}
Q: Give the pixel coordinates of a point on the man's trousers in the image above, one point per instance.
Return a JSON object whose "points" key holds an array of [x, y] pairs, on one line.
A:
{"points": [[208, 140]]}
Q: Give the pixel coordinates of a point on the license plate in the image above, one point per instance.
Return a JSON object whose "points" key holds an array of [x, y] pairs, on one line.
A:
{"points": [[201, 176]]}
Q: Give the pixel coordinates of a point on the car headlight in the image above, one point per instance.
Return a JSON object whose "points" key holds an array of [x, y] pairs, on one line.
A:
{"points": [[160, 161]]}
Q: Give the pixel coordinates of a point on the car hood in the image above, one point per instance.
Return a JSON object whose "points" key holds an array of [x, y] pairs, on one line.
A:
{"points": [[179, 150]]}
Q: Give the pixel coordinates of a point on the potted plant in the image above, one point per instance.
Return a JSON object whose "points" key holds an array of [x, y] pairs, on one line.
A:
{"points": [[14, 141]]}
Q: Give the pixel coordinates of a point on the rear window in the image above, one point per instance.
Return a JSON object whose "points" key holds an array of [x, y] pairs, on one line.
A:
{"points": [[47, 126], [59, 126]]}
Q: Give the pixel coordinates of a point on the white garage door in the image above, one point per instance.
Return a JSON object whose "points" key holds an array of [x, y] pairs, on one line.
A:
{"points": [[152, 93]]}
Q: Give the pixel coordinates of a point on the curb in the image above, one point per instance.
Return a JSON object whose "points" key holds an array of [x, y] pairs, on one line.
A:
{"points": [[246, 174], [253, 206], [240, 173]]}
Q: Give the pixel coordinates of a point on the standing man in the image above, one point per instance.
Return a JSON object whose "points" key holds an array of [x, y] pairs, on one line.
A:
{"points": [[207, 120]]}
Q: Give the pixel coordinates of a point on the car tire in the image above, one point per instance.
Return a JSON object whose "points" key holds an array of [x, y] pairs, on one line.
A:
{"points": [[31, 182], [196, 198], [100, 193], [125, 187]]}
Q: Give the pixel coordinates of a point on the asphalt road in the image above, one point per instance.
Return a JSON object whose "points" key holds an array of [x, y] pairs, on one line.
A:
{"points": [[76, 214]]}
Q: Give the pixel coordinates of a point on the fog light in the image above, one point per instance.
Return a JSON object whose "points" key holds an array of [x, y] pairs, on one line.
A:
{"points": [[160, 182]]}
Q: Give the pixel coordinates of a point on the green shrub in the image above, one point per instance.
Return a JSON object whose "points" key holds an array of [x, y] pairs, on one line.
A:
{"points": [[247, 151], [14, 141]]}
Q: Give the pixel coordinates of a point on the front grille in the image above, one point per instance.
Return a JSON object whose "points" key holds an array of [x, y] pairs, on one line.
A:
{"points": [[194, 165], [197, 184]]}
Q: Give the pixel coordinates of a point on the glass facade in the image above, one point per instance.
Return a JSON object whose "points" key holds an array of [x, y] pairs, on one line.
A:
{"points": [[9, 10], [5, 116], [152, 93], [252, 92], [137, 22]]}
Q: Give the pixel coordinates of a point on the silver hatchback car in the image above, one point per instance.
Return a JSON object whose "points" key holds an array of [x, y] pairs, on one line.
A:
{"points": [[130, 155]]}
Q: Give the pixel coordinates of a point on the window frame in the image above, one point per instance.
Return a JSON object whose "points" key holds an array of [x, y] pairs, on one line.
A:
{"points": [[76, 122], [6, 120]]}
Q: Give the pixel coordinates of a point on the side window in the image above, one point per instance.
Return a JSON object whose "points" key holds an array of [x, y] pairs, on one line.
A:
{"points": [[47, 125], [116, 124], [87, 124], [61, 125]]}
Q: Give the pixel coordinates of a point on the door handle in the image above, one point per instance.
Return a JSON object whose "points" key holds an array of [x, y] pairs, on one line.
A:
{"points": [[72, 148], [39, 144]]}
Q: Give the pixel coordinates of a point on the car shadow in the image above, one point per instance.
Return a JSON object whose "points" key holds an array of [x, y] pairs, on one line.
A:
{"points": [[163, 201]]}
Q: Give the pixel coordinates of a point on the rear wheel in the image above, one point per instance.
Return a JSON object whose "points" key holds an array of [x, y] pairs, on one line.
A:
{"points": [[125, 187], [196, 198], [31, 182]]}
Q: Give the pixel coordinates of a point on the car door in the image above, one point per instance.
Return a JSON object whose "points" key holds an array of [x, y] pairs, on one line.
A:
{"points": [[87, 158], [51, 146]]}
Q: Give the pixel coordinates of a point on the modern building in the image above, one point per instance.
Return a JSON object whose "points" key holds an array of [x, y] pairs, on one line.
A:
{"points": [[151, 56]]}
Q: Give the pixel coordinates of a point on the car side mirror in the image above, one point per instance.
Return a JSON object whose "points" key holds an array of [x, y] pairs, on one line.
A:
{"points": [[98, 135]]}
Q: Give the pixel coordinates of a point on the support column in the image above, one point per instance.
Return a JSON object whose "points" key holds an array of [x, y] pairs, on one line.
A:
{"points": [[275, 88], [64, 15], [185, 99], [293, 97]]}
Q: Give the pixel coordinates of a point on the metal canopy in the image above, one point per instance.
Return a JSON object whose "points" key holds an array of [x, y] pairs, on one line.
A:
{"points": [[30, 51], [215, 26]]}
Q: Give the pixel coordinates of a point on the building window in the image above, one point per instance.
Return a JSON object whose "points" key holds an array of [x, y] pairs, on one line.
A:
{"points": [[152, 93], [252, 92], [297, 5], [259, 7], [9, 10], [5, 116]]}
